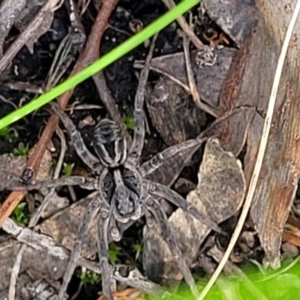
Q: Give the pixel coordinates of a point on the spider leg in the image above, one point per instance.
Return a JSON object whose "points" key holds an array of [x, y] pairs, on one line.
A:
{"points": [[93, 208], [88, 158], [87, 183], [103, 223], [139, 123], [157, 161], [160, 216], [173, 197]]}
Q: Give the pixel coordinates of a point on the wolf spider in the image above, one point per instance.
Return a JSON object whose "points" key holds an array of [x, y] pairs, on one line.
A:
{"points": [[124, 193]]}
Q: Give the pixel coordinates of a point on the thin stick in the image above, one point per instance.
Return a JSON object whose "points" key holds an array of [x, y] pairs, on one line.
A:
{"points": [[185, 26], [191, 79], [159, 71], [260, 155]]}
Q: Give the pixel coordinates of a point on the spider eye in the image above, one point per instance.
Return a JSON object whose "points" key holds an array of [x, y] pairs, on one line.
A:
{"points": [[109, 144]]}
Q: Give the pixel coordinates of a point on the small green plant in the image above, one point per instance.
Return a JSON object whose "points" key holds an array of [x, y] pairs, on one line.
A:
{"points": [[129, 122], [8, 133], [113, 253], [89, 277], [137, 248], [21, 214], [21, 150], [67, 169]]}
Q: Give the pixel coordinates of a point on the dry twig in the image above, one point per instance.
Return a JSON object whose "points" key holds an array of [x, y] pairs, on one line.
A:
{"points": [[191, 79], [185, 26]]}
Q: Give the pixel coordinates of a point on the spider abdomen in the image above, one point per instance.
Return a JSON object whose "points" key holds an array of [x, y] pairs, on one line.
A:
{"points": [[110, 144]]}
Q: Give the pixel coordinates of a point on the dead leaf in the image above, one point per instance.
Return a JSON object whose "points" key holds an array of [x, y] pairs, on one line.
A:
{"points": [[173, 114], [208, 79]]}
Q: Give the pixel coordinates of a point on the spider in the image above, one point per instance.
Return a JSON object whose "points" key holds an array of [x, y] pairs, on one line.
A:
{"points": [[123, 192]]}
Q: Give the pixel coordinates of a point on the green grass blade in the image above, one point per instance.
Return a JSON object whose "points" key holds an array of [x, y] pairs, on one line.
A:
{"points": [[101, 63]]}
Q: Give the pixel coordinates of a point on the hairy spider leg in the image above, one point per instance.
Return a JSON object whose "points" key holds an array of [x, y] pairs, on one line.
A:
{"points": [[86, 156], [103, 222], [92, 211], [173, 197], [153, 206], [158, 160], [139, 115]]}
